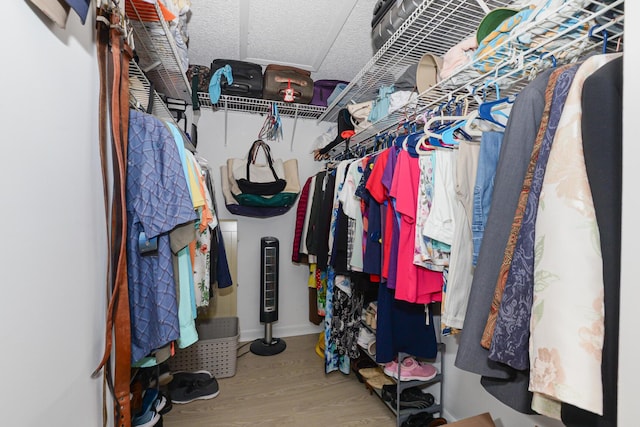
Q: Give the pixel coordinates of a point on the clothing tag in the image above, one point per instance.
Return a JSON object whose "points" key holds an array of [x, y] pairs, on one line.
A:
{"points": [[426, 311], [145, 246]]}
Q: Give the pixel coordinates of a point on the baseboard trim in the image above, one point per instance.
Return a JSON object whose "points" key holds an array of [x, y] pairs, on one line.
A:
{"points": [[280, 332]]}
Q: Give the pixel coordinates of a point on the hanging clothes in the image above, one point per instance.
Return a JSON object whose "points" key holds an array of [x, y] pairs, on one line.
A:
{"points": [[515, 152], [157, 201]]}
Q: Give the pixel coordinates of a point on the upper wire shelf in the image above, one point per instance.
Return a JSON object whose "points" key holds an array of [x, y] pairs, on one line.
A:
{"points": [[261, 106], [591, 23], [156, 49], [434, 27], [141, 92]]}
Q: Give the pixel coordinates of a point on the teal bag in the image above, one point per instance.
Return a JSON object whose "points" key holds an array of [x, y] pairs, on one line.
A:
{"points": [[277, 200]]}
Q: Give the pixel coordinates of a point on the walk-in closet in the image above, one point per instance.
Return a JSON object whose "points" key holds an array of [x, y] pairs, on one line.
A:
{"points": [[342, 212]]}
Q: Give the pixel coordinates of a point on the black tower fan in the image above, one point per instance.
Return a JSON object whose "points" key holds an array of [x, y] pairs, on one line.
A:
{"points": [[269, 265]]}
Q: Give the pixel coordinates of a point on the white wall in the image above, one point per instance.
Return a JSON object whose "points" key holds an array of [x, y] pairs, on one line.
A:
{"points": [[53, 234], [242, 130], [628, 373]]}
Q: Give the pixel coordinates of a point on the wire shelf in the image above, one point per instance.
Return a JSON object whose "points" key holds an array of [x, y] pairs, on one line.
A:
{"points": [[139, 90], [434, 27], [157, 51], [514, 63], [261, 106]]}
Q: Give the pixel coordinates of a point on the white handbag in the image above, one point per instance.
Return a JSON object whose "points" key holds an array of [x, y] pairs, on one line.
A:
{"points": [[258, 172]]}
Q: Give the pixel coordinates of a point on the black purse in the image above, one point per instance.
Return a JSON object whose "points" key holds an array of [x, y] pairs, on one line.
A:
{"points": [[257, 178]]}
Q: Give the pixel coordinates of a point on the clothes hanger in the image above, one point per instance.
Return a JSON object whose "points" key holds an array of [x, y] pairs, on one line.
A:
{"points": [[487, 109]]}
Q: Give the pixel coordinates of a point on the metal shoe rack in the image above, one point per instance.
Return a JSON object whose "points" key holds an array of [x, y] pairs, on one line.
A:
{"points": [[403, 414], [437, 25]]}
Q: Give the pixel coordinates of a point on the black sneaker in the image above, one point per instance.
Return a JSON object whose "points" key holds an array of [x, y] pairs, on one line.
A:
{"points": [[196, 390], [182, 379], [411, 397]]}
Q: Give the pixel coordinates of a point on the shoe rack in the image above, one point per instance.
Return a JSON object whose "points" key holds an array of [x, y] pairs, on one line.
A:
{"points": [[437, 381]]}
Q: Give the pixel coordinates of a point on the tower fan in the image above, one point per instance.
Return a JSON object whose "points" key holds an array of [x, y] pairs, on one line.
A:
{"points": [[269, 251]]}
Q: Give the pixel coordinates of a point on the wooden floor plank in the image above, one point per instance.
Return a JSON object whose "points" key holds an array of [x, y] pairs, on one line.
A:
{"points": [[288, 389]]}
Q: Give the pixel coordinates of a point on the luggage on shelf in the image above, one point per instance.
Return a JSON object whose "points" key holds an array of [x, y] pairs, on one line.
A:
{"points": [[290, 84], [392, 20], [247, 78]]}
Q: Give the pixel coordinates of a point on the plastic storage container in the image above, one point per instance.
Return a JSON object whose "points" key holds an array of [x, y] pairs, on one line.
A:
{"points": [[216, 350]]}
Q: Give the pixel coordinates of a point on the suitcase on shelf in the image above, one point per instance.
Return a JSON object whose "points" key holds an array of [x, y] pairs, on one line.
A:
{"points": [[322, 90], [379, 9], [279, 78], [247, 78], [392, 20], [204, 76]]}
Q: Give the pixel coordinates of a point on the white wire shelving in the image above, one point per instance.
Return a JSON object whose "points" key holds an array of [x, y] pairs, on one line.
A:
{"points": [[260, 106], [141, 92], [576, 28], [157, 51], [434, 27]]}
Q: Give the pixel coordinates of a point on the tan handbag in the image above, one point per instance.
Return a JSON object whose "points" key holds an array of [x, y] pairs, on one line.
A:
{"points": [[359, 113]]}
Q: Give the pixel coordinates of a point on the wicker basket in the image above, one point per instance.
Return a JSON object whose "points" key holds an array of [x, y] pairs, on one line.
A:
{"points": [[215, 351]]}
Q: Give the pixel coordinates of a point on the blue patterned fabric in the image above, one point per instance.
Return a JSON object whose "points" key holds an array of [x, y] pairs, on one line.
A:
{"points": [[157, 200], [510, 343]]}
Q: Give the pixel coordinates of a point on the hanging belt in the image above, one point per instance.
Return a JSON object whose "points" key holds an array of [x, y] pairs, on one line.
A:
{"points": [[114, 74]]}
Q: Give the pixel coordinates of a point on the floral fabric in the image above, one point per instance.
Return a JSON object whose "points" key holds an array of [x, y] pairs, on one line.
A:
{"points": [[567, 321]]}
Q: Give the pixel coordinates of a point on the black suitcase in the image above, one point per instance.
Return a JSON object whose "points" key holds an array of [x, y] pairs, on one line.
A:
{"points": [[247, 78], [381, 7]]}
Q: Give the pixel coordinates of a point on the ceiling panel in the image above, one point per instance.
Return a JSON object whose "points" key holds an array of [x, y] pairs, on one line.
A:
{"points": [[331, 38]]}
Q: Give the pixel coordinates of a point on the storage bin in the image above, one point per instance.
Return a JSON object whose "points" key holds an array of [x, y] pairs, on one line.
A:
{"points": [[216, 350]]}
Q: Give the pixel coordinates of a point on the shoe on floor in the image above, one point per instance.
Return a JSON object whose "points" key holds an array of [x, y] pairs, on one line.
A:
{"points": [[147, 416], [196, 390], [183, 378], [148, 419]]}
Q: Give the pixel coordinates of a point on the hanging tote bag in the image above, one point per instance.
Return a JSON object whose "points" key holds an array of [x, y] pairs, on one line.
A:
{"points": [[262, 179], [232, 205], [286, 198]]}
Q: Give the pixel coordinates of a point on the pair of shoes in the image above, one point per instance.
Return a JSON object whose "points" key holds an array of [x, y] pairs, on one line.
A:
{"points": [[367, 340], [163, 405], [363, 362], [423, 419], [149, 414], [412, 397], [189, 386], [375, 377], [411, 369]]}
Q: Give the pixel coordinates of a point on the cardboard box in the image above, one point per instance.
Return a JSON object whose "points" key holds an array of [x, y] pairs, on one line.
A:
{"points": [[482, 420]]}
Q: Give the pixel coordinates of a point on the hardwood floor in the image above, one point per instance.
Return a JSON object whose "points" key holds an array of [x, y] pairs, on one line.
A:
{"points": [[288, 389]]}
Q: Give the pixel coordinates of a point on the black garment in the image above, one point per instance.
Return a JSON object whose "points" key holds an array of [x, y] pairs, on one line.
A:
{"points": [[340, 242], [602, 145], [324, 221], [314, 215]]}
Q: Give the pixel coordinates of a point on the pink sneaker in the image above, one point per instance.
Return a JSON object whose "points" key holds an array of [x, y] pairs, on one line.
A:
{"points": [[391, 369], [411, 369]]}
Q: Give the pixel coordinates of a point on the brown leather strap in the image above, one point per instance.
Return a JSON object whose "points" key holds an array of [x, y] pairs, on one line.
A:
{"points": [[118, 320]]}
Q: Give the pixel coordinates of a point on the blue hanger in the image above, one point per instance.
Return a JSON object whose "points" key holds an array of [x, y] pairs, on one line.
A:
{"points": [[485, 110]]}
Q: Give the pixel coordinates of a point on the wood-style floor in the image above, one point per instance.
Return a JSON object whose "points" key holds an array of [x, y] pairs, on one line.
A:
{"points": [[288, 389]]}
